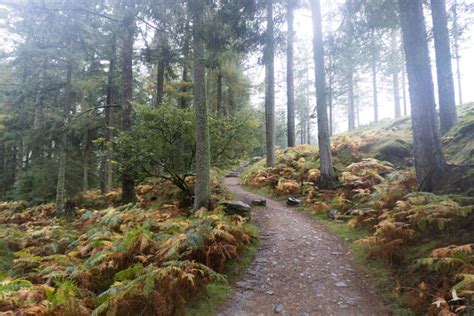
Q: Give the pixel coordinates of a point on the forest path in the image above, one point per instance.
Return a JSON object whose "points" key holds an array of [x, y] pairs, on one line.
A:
{"points": [[300, 268]]}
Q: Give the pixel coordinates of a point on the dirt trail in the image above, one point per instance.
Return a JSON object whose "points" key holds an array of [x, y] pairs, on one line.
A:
{"points": [[300, 268]]}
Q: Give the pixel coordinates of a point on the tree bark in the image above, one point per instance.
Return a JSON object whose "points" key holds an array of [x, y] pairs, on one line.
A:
{"points": [[61, 183], [447, 103], [396, 84], [202, 190], [373, 66], [160, 82], [108, 170], [350, 111], [328, 178], [270, 87], [128, 179], [429, 158], [404, 90], [456, 50], [86, 165], [219, 93], [290, 78]]}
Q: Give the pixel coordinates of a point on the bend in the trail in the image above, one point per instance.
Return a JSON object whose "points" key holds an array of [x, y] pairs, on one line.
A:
{"points": [[300, 268]]}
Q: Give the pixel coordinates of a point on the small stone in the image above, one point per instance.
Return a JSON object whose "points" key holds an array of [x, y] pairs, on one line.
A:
{"points": [[278, 308], [235, 207], [269, 292], [232, 175], [259, 202], [291, 201], [341, 284]]}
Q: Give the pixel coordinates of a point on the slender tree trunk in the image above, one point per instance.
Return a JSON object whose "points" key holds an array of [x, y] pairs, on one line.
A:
{"points": [[331, 126], [328, 178], [219, 93], [447, 102], [108, 170], [456, 50], [396, 85], [202, 187], [429, 158], [290, 78], [128, 179], [373, 66], [86, 165], [350, 111], [270, 87], [160, 82], [182, 100], [61, 183], [404, 90]]}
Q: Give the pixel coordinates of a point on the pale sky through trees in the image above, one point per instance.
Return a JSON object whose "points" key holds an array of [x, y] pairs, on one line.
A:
{"points": [[303, 38]]}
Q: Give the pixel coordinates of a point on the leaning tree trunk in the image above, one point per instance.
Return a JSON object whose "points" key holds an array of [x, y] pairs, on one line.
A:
{"points": [[429, 158], [202, 190], [396, 84], [328, 178], [270, 87], [61, 183], [447, 103], [128, 179], [290, 78]]}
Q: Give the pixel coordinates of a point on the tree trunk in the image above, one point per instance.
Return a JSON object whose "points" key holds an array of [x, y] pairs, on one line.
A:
{"points": [[108, 170], [456, 50], [128, 179], [219, 93], [429, 158], [87, 156], [290, 78], [61, 183], [331, 126], [447, 103], [328, 178], [373, 65], [160, 82], [396, 85], [202, 188], [182, 100], [404, 90], [270, 87], [350, 111]]}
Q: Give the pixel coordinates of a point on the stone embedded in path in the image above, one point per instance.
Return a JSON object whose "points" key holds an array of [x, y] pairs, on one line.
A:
{"points": [[259, 202], [278, 309], [232, 175], [341, 284], [235, 208]]}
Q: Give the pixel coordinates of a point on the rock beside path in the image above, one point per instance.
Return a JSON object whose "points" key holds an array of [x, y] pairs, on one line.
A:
{"points": [[235, 208]]}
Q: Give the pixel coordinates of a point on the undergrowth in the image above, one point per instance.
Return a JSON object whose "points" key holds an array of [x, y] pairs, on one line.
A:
{"points": [[150, 258], [417, 246]]}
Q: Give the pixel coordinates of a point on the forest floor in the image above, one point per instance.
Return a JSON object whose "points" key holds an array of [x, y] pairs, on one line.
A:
{"points": [[300, 268]]}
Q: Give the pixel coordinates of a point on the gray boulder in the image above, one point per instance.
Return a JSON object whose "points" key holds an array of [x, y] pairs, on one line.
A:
{"points": [[235, 208]]}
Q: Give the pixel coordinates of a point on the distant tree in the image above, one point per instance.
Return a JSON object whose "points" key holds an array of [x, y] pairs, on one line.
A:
{"points": [[447, 103], [429, 158], [328, 178]]}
